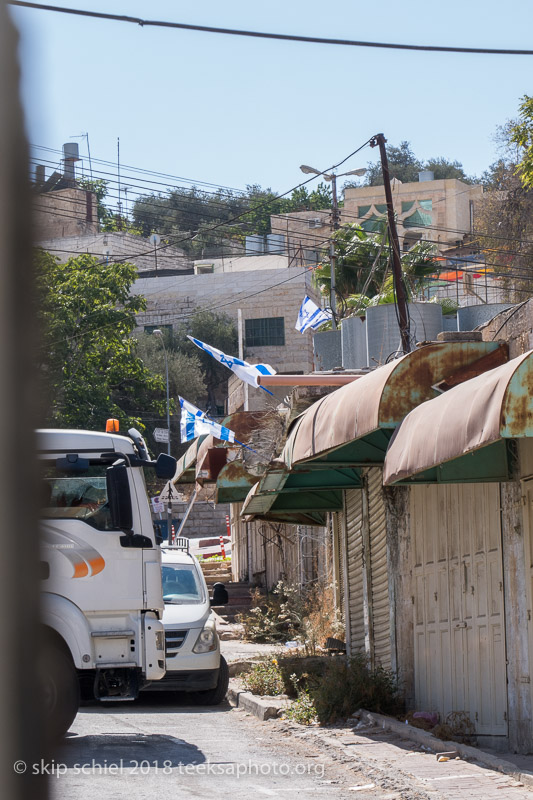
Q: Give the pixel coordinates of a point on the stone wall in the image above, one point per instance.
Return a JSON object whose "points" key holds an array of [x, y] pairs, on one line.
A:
{"points": [[67, 212], [121, 245], [260, 294], [205, 520]]}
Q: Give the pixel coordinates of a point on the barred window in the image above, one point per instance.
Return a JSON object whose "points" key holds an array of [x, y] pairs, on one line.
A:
{"points": [[267, 332]]}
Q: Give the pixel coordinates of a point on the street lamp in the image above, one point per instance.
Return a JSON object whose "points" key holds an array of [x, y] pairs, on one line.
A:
{"points": [[158, 332], [334, 226]]}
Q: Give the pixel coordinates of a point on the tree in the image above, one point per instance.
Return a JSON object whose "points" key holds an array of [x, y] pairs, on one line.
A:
{"points": [[204, 223], [405, 166], [362, 274], [185, 378], [521, 134], [217, 330], [504, 216], [87, 354], [108, 220]]}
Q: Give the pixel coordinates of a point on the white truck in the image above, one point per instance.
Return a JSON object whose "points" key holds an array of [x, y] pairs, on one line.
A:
{"points": [[102, 599]]}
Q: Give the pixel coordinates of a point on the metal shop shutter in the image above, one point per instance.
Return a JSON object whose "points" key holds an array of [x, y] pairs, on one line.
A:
{"points": [[378, 591], [458, 610], [353, 584]]}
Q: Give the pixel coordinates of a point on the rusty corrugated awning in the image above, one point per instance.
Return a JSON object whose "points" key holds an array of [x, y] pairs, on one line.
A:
{"points": [[186, 466], [462, 436], [353, 425]]}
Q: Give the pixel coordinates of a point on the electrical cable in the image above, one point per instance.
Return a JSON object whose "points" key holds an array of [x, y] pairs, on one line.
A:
{"points": [[262, 35]]}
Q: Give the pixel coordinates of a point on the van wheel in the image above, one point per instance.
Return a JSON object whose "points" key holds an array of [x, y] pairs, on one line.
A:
{"points": [[58, 683], [213, 697]]}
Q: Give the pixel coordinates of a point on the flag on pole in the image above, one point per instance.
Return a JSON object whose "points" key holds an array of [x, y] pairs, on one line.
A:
{"points": [[311, 316], [194, 423], [249, 373]]}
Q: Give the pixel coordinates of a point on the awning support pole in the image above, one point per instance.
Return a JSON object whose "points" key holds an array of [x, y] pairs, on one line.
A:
{"points": [[187, 512]]}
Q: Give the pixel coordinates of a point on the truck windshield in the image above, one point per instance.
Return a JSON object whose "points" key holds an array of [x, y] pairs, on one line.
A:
{"points": [[181, 584], [82, 497]]}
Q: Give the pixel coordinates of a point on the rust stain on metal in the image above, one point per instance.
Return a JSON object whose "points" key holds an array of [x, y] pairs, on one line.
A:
{"points": [[491, 360]]}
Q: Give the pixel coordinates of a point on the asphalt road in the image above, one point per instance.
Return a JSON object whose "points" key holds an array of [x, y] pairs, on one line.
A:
{"points": [[161, 748]]}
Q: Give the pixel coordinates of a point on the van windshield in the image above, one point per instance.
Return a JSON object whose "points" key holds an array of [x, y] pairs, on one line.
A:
{"points": [[181, 584]]}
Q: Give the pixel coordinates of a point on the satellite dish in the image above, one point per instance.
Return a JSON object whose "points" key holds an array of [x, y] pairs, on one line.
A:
{"points": [[155, 239]]}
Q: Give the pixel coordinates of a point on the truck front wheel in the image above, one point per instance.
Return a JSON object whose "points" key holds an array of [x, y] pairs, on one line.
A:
{"points": [[59, 689]]}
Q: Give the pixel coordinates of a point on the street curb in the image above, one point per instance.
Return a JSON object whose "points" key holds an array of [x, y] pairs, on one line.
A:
{"points": [[244, 665], [258, 706], [438, 745]]}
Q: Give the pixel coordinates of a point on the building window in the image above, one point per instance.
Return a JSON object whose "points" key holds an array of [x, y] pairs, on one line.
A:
{"points": [[152, 328], [268, 332]]}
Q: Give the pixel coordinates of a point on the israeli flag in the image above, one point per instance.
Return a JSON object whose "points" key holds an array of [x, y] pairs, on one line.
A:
{"points": [[195, 423], [311, 316], [249, 373]]}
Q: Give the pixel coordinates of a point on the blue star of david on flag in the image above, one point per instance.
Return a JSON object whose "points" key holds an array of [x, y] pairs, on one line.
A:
{"points": [[194, 422], [311, 316], [249, 373]]}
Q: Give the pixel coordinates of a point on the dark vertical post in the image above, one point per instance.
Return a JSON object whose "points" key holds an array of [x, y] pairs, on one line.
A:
{"points": [[401, 299], [332, 253]]}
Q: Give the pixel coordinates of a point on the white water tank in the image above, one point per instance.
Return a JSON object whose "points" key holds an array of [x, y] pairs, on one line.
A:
{"points": [[383, 331], [255, 245], [275, 244], [353, 343], [469, 317]]}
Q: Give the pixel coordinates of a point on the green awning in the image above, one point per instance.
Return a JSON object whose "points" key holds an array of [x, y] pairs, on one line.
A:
{"points": [[298, 498]]}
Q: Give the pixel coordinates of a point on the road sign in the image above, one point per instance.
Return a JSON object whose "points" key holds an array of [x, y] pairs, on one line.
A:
{"points": [[161, 434], [157, 505]]}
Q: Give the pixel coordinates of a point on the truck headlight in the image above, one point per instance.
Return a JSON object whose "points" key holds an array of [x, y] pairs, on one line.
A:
{"points": [[160, 640], [207, 640]]}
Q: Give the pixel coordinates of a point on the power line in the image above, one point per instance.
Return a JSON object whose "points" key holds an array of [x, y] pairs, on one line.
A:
{"points": [[262, 35]]}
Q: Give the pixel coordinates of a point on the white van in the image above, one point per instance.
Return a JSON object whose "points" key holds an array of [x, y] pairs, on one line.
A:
{"points": [[193, 659]]}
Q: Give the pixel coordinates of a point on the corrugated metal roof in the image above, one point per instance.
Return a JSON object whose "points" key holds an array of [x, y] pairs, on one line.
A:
{"points": [[461, 435]]}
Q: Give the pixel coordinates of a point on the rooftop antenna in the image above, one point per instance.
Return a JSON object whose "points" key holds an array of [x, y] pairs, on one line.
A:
{"points": [[118, 176], [86, 137]]}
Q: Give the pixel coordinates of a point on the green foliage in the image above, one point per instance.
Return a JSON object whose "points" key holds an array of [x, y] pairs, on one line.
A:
{"points": [[362, 268], [346, 686], [108, 220], [264, 678], [504, 215], [217, 330], [522, 136], [276, 618], [87, 357], [211, 217], [405, 166], [302, 710], [185, 377]]}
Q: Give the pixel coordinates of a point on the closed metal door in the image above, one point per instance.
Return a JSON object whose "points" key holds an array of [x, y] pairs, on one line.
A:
{"points": [[353, 571], [458, 603]]}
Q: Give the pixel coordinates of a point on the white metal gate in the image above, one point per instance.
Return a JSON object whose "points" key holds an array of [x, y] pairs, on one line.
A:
{"points": [[379, 606], [353, 571], [458, 603], [366, 571]]}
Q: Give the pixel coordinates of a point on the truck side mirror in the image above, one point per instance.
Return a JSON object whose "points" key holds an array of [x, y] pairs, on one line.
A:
{"points": [[165, 466], [220, 595], [119, 497]]}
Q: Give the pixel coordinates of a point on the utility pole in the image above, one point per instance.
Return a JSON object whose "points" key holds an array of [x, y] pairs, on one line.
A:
{"points": [[401, 299], [332, 254]]}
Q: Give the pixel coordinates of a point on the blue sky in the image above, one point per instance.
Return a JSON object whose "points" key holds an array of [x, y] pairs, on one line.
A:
{"points": [[234, 111]]}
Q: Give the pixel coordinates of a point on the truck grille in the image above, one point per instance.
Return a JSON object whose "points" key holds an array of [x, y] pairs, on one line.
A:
{"points": [[173, 641]]}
